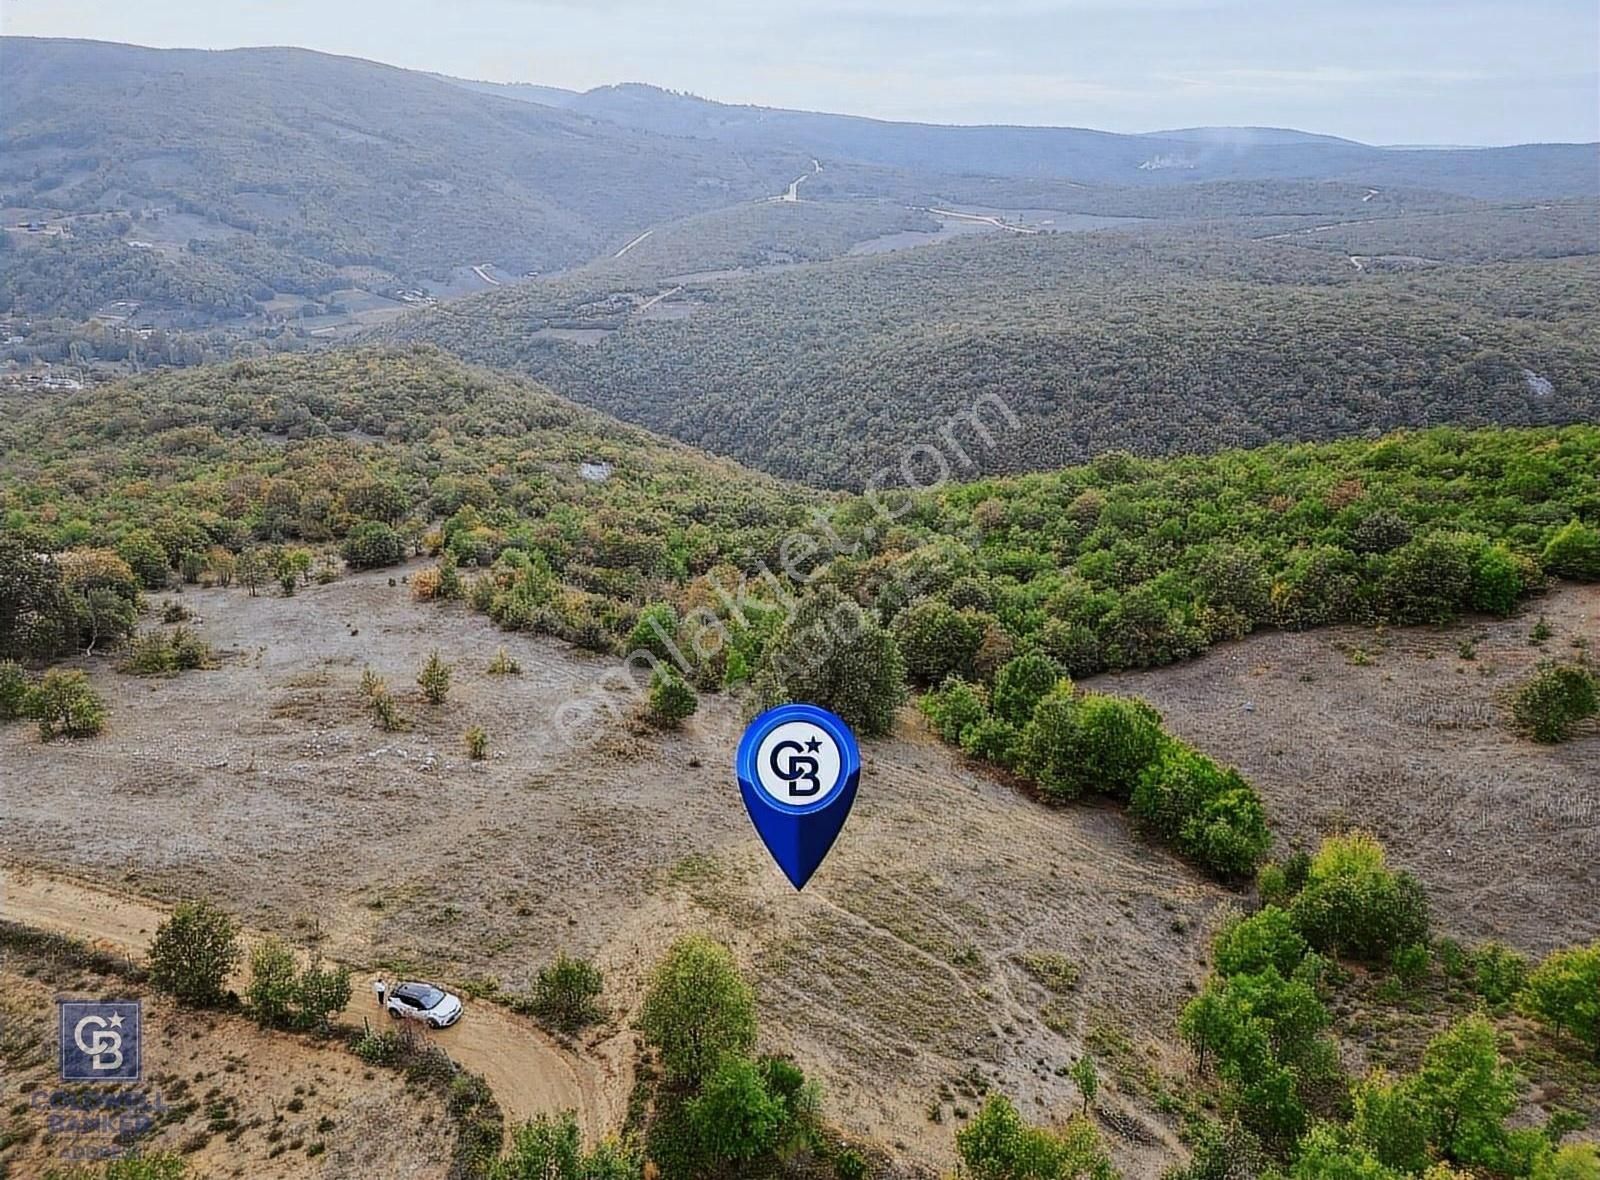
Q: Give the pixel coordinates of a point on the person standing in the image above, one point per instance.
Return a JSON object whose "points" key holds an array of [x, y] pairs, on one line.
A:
{"points": [[380, 990]]}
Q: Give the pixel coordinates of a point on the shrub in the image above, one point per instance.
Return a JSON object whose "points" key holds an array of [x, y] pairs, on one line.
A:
{"points": [[1229, 834], [1498, 973], [380, 1048], [146, 558], [953, 707], [1550, 704], [1118, 738], [1092, 741], [158, 653], [373, 544], [1086, 1078], [477, 743], [1574, 552], [670, 700], [566, 992], [271, 990], [1021, 684], [832, 653], [1207, 811], [504, 665], [434, 680], [193, 953], [65, 704], [386, 713], [998, 1145], [992, 739], [551, 1148], [1564, 992], [936, 640], [13, 691], [1410, 963], [655, 632], [697, 1010], [1431, 579], [1266, 938], [1353, 904]]}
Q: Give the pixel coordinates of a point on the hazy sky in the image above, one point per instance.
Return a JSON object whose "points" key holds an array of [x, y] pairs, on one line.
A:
{"points": [[1385, 71]]}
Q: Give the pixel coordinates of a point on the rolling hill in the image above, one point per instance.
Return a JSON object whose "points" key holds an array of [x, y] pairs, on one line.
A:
{"points": [[354, 171], [1158, 342]]}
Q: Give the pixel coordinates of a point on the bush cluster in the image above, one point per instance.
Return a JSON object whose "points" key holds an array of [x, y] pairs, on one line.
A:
{"points": [[1068, 743]]}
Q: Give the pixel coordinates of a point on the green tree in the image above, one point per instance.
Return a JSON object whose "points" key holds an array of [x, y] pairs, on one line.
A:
{"points": [[697, 1010], [434, 679], [832, 653], [1467, 1091], [321, 993], [372, 544], [1266, 938], [566, 993], [1354, 904], [936, 640], [272, 990], [146, 558], [1087, 1079], [1325, 1154], [734, 1116], [36, 616], [65, 704], [193, 952], [1021, 684], [253, 570], [1563, 991], [1390, 1121]]}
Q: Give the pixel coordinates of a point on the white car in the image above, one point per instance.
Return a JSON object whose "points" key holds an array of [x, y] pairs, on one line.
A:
{"points": [[422, 1001]]}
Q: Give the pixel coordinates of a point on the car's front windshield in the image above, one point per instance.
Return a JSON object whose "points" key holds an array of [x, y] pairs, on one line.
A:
{"points": [[427, 997]]}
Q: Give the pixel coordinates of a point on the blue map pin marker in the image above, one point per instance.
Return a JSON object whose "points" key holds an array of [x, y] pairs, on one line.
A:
{"points": [[798, 767]]}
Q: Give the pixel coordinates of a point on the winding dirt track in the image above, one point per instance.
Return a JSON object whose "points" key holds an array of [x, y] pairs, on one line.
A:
{"points": [[528, 1071]]}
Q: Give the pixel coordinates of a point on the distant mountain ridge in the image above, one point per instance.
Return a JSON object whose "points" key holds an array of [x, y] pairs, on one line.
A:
{"points": [[1087, 155]]}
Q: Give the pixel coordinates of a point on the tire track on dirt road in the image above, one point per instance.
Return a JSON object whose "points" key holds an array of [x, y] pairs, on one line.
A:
{"points": [[528, 1071]]}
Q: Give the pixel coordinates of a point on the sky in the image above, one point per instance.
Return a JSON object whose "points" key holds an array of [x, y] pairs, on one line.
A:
{"points": [[1381, 71]]}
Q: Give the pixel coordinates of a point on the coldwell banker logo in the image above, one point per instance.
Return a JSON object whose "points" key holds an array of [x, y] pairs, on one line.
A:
{"points": [[99, 1040]]}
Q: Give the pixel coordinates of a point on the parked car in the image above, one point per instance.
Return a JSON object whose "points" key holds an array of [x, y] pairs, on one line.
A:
{"points": [[422, 1001]]}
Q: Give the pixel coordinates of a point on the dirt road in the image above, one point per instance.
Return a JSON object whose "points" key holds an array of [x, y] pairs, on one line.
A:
{"points": [[528, 1071]]}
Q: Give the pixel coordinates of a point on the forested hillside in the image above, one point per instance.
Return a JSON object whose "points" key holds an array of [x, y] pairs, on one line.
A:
{"points": [[338, 161], [1159, 343]]}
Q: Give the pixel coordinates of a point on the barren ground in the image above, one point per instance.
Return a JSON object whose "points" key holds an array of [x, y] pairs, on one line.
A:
{"points": [[1395, 732]]}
